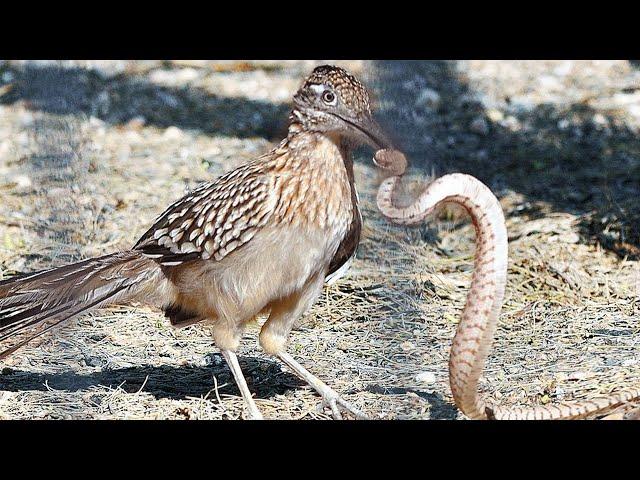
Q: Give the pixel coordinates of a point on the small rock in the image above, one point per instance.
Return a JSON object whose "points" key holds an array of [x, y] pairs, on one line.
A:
{"points": [[511, 123], [626, 98], [136, 122], [428, 98], [172, 133], [187, 75], [600, 119], [479, 126], [407, 346], [22, 181], [426, 377], [495, 115], [27, 120], [174, 77], [564, 68], [634, 110], [5, 147], [132, 136], [549, 82], [96, 122]]}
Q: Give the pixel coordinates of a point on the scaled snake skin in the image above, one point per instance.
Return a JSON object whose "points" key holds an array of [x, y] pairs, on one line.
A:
{"points": [[475, 331]]}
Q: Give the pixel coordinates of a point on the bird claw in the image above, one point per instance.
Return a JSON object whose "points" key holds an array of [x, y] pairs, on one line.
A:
{"points": [[332, 400]]}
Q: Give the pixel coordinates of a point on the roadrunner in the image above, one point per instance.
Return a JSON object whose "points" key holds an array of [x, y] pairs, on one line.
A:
{"points": [[263, 238]]}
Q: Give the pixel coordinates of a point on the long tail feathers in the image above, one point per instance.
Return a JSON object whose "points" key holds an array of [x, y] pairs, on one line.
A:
{"points": [[33, 304]]}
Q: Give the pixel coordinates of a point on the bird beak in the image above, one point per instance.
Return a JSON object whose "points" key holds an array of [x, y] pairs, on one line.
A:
{"points": [[374, 135], [368, 130]]}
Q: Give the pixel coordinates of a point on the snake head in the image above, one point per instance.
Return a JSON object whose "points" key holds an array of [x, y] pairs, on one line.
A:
{"points": [[391, 161]]}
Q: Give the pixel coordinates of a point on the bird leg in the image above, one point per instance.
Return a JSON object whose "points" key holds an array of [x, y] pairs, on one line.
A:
{"points": [[329, 396], [274, 334], [232, 361]]}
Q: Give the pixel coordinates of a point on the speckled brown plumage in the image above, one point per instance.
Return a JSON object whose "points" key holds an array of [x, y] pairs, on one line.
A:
{"points": [[263, 238]]}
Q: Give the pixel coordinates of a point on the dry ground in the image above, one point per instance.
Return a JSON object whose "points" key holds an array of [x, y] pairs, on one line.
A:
{"points": [[91, 152]]}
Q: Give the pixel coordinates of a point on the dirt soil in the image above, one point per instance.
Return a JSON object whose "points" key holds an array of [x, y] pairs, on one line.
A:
{"points": [[91, 152]]}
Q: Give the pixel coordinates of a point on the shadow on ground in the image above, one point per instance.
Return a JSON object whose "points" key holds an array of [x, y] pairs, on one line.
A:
{"points": [[440, 408], [265, 379], [121, 98], [559, 155]]}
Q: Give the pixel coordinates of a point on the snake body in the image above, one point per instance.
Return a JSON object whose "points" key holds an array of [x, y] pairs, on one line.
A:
{"points": [[475, 331]]}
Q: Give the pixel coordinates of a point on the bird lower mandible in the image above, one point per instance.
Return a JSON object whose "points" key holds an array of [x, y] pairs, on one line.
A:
{"points": [[474, 335]]}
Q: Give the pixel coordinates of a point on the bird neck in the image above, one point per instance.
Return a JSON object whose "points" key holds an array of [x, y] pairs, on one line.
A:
{"points": [[298, 131], [314, 172]]}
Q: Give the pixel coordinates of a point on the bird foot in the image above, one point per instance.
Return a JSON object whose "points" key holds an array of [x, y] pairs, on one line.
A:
{"points": [[331, 399]]}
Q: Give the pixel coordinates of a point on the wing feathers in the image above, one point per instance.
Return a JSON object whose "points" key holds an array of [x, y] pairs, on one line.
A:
{"points": [[213, 220]]}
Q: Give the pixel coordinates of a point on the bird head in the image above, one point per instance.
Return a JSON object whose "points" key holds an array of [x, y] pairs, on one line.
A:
{"points": [[334, 102]]}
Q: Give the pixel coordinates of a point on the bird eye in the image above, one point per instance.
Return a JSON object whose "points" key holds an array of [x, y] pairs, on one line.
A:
{"points": [[328, 97]]}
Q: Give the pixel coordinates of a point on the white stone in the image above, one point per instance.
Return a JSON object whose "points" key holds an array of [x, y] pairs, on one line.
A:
{"points": [[22, 181], [172, 133], [426, 377], [495, 115]]}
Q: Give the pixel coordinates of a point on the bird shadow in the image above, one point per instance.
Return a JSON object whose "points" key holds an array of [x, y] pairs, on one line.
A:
{"points": [[572, 156], [121, 98], [264, 377], [440, 408]]}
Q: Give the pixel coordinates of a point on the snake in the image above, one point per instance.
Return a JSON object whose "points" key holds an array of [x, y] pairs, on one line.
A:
{"points": [[477, 326]]}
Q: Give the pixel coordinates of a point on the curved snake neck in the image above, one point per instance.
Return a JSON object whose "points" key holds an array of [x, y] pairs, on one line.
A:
{"points": [[474, 335]]}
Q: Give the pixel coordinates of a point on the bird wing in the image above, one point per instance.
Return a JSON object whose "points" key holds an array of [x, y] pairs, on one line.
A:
{"points": [[213, 220], [346, 253]]}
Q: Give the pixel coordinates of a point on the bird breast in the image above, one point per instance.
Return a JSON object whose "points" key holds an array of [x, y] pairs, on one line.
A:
{"points": [[314, 209], [313, 186], [310, 194]]}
